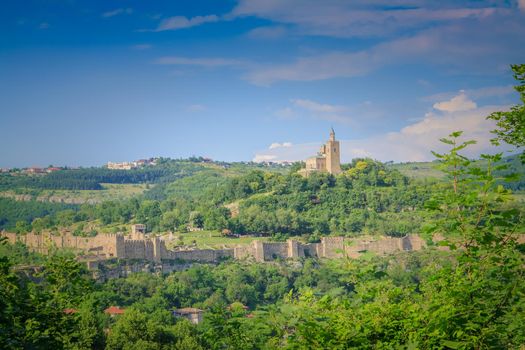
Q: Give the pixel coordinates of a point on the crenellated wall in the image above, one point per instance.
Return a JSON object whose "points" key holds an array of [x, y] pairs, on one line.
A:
{"points": [[202, 255], [109, 245], [154, 249], [245, 251], [332, 247]]}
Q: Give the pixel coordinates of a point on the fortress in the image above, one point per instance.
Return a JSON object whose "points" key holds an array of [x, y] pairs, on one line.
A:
{"points": [[137, 246], [327, 159]]}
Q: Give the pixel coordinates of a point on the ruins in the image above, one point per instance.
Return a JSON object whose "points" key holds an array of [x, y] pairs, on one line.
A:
{"points": [[138, 246]]}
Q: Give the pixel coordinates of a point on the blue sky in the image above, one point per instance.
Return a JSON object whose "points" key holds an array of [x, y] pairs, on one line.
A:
{"points": [[86, 82]]}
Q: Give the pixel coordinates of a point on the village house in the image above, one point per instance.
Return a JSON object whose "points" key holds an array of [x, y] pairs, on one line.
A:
{"points": [[192, 314], [114, 311]]}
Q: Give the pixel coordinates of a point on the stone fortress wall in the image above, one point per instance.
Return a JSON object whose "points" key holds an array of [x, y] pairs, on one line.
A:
{"points": [[139, 246]]}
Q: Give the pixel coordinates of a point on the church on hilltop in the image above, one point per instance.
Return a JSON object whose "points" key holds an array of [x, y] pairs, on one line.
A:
{"points": [[327, 159]]}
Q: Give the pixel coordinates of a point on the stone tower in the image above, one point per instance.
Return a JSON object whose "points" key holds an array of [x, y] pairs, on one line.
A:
{"points": [[333, 160]]}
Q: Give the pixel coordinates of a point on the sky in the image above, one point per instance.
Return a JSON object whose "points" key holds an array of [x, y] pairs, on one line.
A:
{"points": [[87, 82]]}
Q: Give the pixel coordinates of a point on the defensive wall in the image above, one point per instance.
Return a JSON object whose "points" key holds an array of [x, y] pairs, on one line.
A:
{"points": [[108, 245], [329, 248], [140, 247]]}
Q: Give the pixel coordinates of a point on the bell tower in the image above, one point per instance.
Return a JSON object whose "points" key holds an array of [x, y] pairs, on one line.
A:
{"points": [[333, 159]]}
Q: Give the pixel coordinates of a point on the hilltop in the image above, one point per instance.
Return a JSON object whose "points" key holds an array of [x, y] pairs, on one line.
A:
{"points": [[207, 197]]}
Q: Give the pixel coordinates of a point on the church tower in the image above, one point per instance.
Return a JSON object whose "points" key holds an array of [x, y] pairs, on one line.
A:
{"points": [[333, 160]]}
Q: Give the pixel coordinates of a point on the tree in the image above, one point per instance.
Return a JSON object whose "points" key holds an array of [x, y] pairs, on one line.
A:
{"points": [[477, 302], [511, 124], [67, 280]]}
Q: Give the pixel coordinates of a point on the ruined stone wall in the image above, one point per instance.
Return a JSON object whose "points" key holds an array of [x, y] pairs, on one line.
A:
{"points": [[154, 249], [258, 251], [413, 242], [294, 249], [332, 247], [273, 251], [244, 252], [138, 249], [202, 255], [312, 250], [109, 245]]}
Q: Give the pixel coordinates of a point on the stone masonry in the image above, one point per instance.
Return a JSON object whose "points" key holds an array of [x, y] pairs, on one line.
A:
{"points": [[153, 249]]}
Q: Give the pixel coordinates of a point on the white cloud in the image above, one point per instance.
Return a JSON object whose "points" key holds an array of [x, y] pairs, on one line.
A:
{"points": [[491, 91], [280, 145], [272, 32], [412, 142], [322, 111], [359, 153], [456, 104], [204, 62], [314, 68], [478, 47], [357, 18], [318, 107], [487, 91], [181, 22], [196, 108], [116, 12], [259, 158]]}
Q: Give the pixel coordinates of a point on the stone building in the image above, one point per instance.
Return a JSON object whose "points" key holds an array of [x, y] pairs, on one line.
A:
{"points": [[328, 158], [190, 313], [138, 231]]}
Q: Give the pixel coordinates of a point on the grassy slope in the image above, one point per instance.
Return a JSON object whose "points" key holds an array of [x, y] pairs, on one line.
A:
{"points": [[213, 240], [110, 192], [419, 170]]}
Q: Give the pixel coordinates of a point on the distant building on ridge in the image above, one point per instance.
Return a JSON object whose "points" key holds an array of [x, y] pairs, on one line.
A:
{"points": [[327, 159]]}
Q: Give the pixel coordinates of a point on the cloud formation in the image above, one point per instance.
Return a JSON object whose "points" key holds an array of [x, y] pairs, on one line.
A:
{"points": [[457, 103], [280, 145], [317, 107], [481, 46], [413, 142], [181, 22], [116, 12], [316, 110], [320, 67], [360, 18], [270, 32], [488, 91]]}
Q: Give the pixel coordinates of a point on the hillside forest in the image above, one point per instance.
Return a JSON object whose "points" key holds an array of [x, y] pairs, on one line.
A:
{"points": [[465, 292]]}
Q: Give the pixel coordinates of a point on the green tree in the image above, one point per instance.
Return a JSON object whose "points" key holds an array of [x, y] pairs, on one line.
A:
{"points": [[511, 124], [474, 301]]}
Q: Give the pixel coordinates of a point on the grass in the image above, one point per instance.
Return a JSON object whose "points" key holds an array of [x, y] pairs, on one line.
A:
{"points": [[419, 170], [213, 239]]}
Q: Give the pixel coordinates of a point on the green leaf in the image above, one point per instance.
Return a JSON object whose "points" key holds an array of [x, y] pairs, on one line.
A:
{"points": [[447, 141], [453, 344]]}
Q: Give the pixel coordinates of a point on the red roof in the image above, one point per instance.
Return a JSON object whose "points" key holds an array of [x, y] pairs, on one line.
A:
{"points": [[70, 311], [114, 310]]}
